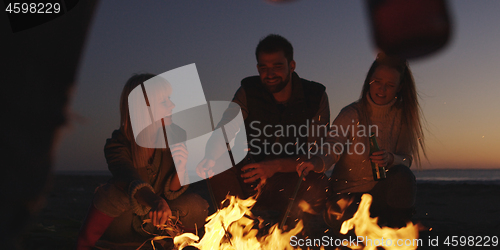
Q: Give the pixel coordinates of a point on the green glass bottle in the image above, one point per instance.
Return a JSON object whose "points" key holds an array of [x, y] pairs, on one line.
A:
{"points": [[378, 172]]}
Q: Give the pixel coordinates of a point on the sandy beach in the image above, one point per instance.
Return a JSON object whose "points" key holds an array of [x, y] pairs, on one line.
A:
{"points": [[445, 210]]}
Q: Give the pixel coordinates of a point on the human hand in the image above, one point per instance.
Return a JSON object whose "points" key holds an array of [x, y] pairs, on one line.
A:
{"points": [[160, 211], [180, 155], [205, 168], [262, 170], [382, 158], [304, 168], [314, 164]]}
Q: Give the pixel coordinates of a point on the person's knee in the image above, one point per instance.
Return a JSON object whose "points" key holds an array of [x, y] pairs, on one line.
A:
{"points": [[111, 200], [192, 210], [401, 172], [402, 187]]}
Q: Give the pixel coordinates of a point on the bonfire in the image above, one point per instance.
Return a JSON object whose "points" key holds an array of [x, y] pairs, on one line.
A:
{"points": [[235, 227]]}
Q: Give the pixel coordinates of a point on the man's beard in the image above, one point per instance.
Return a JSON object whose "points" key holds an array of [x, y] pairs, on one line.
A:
{"points": [[277, 87]]}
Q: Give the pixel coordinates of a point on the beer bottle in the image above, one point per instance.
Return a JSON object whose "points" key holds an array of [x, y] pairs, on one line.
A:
{"points": [[378, 172]]}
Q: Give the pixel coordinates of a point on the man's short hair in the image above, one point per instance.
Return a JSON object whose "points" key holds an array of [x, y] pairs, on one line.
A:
{"points": [[275, 43]]}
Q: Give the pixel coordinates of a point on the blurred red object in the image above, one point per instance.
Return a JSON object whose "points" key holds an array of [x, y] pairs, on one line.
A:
{"points": [[410, 28]]}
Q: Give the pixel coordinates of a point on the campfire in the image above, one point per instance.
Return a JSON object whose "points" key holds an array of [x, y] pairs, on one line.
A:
{"points": [[370, 235], [234, 227]]}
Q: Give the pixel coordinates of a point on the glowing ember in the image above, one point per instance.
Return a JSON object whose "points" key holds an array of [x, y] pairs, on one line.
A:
{"points": [[371, 235], [236, 220], [342, 204], [306, 207]]}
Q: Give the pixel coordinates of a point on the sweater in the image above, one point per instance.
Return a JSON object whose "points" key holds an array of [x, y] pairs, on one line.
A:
{"points": [[348, 145]]}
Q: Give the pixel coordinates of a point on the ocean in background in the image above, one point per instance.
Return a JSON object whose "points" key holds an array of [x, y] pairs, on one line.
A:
{"points": [[472, 176], [444, 176]]}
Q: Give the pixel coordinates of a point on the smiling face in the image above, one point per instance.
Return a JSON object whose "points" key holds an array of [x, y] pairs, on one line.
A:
{"points": [[160, 103], [274, 70], [384, 84]]}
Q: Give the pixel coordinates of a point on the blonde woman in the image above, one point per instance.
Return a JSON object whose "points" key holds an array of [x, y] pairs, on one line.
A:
{"points": [[388, 106], [145, 182]]}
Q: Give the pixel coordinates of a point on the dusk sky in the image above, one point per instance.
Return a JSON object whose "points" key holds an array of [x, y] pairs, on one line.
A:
{"points": [[459, 86]]}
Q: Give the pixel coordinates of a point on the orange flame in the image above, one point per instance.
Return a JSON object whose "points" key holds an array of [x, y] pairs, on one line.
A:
{"points": [[370, 235], [306, 207], [342, 204], [236, 220]]}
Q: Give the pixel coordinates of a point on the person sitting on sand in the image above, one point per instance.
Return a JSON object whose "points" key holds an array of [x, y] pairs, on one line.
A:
{"points": [[145, 182], [388, 106], [275, 99]]}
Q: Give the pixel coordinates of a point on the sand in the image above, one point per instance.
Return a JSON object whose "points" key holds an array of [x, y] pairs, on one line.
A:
{"points": [[445, 210]]}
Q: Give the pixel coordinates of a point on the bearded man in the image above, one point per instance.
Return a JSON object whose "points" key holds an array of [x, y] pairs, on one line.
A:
{"points": [[284, 116]]}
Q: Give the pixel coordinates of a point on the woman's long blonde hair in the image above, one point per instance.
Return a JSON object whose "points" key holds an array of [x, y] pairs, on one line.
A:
{"points": [[407, 100], [140, 155]]}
